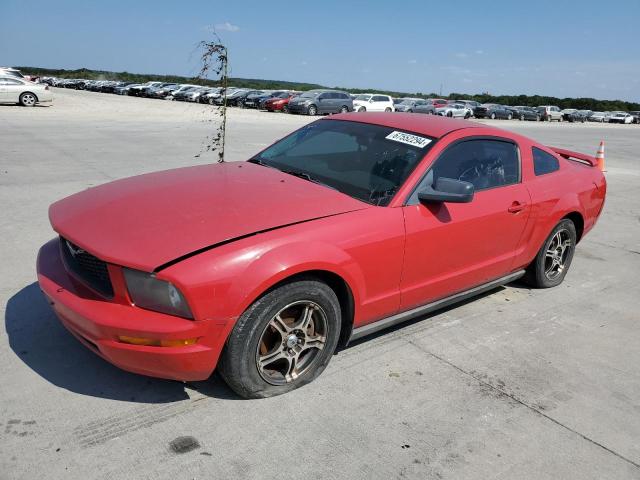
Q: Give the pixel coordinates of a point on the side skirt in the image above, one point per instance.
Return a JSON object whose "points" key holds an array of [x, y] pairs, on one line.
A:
{"points": [[374, 327]]}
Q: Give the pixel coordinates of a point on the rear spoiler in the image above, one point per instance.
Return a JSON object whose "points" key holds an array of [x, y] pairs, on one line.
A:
{"points": [[580, 157]]}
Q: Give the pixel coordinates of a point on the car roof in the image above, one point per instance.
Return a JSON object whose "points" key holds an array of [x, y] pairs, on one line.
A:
{"points": [[430, 125]]}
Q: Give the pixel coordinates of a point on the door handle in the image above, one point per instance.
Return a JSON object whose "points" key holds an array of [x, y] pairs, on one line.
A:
{"points": [[516, 207]]}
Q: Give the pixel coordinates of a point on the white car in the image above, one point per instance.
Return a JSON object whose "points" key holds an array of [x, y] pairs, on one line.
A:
{"points": [[597, 117], [621, 117], [369, 102], [24, 92], [454, 110]]}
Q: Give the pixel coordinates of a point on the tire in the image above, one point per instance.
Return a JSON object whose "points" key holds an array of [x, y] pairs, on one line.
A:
{"points": [[344, 109], [467, 116], [450, 114], [509, 117], [522, 118], [543, 272], [285, 109], [362, 109], [388, 109], [28, 99], [493, 116], [243, 364], [312, 110], [537, 118]]}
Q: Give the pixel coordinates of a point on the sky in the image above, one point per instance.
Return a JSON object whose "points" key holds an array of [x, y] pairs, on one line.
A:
{"points": [[559, 48]]}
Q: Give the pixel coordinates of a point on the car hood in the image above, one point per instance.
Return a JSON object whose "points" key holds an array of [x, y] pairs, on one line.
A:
{"points": [[147, 221]]}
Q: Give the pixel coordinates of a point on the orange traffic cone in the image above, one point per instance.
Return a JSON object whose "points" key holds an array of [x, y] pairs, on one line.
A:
{"points": [[600, 156]]}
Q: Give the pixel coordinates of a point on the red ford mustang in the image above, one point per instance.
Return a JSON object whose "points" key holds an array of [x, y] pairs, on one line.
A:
{"points": [[351, 224]]}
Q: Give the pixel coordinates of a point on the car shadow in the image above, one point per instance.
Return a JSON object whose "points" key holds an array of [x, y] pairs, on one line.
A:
{"points": [[44, 345]]}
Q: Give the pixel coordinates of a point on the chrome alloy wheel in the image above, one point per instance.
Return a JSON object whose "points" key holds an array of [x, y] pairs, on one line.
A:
{"points": [[28, 99], [291, 342], [557, 253]]}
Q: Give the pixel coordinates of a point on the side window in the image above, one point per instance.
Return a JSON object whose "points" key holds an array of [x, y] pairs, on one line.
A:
{"points": [[544, 162], [379, 98], [485, 163], [343, 96]]}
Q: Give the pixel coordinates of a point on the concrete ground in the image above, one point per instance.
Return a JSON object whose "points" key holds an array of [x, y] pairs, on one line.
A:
{"points": [[518, 384]]}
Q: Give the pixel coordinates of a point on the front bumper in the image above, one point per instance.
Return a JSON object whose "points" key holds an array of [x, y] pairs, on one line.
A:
{"points": [[98, 322], [298, 108]]}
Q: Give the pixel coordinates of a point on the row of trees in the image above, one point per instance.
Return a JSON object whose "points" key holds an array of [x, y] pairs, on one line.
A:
{"points": [[527, 100]]}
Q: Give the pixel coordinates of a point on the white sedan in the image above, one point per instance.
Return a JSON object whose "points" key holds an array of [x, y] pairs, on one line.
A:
{"points": [[621, 117], [24, 92], [368, 102], [454, 110]]}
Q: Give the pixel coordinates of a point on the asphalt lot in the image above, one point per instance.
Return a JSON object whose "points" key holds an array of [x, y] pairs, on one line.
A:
{"points": [[518, 384]]}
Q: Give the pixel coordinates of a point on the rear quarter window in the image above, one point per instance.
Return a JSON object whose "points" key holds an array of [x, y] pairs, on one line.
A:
{"points": [[544, 162]]}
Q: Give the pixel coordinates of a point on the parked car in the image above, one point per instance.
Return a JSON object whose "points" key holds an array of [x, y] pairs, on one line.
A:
{"points": [[597, 117], [140, 90], [526, 113], [124, 90], [370, 102], [280, 102], [493, 111], [163, 91], [549, 113], [458, 110], [621, 117], [636, 116], [428, 106], [253, 99], [19, 90], [410, 105], [577, 116], [330, 247], [321, 101], [470, 103]]}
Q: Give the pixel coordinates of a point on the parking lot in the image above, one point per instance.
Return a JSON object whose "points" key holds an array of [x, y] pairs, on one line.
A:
{"points": [[520, 383]]}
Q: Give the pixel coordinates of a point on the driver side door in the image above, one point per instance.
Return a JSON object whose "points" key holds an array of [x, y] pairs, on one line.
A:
{"points": [[452, 247]]}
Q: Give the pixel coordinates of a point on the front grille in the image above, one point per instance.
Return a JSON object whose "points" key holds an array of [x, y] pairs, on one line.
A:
{"points": [[89, 269]]}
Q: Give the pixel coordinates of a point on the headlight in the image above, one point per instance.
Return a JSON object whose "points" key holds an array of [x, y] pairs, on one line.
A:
{"points": [[146, 291]]}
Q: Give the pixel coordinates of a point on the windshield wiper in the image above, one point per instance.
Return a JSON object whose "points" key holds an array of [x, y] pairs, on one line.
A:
{"points": [[307, 177]]}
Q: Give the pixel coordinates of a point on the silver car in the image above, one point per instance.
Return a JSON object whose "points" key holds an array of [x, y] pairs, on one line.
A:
{"points": [[459, 110], [23, 92]]}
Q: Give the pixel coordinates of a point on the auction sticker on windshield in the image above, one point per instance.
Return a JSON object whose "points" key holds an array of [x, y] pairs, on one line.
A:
{"points": [[409, 139]]}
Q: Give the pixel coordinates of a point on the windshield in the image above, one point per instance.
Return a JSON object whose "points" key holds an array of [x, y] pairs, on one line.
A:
{"points": [[363, 97], [366, 162], [310, 94]]}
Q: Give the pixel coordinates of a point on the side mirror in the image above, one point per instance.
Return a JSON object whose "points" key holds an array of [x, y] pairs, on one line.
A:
{"points": [[447, 190]]}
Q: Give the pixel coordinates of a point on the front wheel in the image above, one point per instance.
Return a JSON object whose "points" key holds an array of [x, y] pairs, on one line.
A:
{"points": [[344, 109], [312, 110], [362, 109], [522, 118], [28, 99], [509, 117], [553, 260], [388, 109], [285, 109], [283, 341], [493, 116]]}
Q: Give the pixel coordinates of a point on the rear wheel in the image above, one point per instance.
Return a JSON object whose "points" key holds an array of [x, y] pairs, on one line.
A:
{"points": [[553, 260], [449, 114], [521, 117], [28, 99], [509, 117], [362, 109], [312, 110], [493, 116], [285, 109], [344, 109], [388, 109], [283, 341]]}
